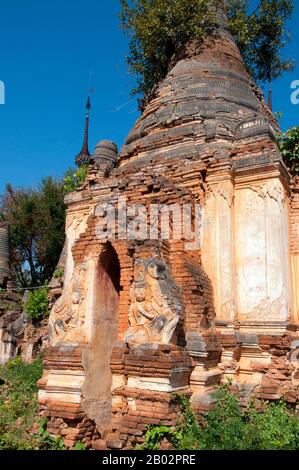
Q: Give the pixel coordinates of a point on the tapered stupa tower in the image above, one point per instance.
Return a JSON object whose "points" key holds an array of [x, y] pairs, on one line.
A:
{"points": [[207, 104]]}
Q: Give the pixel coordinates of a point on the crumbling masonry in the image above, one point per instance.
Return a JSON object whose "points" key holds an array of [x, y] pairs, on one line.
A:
{"points": [[137, 320]]}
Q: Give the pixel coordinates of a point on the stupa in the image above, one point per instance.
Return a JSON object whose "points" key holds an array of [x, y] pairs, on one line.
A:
{"points": [[141, 317]]}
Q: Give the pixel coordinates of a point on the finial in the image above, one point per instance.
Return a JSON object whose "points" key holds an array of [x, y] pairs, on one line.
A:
{"points": [[88, 104], [270, 99], [84, 155]]}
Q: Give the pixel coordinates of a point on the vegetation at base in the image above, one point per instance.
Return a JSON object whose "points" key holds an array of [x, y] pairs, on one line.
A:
{"points": [[289, 147], [19, 409], [160, 29], [44, 441], [229, 426], [74, 178], [18, 404], [36, 306]]}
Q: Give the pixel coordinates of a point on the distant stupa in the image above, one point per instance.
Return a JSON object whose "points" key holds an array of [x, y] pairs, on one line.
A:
{"points": [[5, 272]]}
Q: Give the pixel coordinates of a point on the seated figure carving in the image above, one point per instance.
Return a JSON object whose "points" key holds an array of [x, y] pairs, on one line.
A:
{"points": [[65, 322], [154, 312]]}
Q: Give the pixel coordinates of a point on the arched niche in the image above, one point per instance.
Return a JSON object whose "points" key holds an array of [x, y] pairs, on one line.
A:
{"points": [[104, 327]]}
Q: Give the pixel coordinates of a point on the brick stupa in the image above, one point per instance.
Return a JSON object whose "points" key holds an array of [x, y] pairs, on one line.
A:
{"points": [[137, 320]]}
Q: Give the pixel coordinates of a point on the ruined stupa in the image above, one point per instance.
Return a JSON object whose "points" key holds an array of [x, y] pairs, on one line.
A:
{"points": [[18, 335], [142, 317], [5, 272]]}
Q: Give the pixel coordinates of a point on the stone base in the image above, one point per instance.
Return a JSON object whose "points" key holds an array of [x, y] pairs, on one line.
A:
{"points": [[263, 364], [144, 379], [60, 396], [60, 387]]}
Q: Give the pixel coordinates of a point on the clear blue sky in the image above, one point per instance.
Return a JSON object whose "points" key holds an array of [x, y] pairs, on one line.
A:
{"points": [[47, 49]]}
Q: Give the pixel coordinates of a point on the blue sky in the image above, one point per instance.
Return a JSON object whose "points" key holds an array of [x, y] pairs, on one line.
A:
{"points": [[47, 49]]}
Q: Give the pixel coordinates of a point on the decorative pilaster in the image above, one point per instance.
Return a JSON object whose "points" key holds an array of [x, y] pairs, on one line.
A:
{"points": [[218, 241], [263, 280]]}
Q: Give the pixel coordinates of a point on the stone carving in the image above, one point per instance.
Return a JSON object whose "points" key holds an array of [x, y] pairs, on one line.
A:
{"points": [[228, 309], [76, 224], [156, 307], [66, 320], [225, 191], [272, 189], [294, 360], [268, 310], [294, 354]]}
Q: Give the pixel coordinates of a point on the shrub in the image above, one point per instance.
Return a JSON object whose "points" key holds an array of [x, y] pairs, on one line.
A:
{"points": [[229, 426], [18, 404], [36, 306], [19, 409], [75, 178], [45, 441], [58, 273], [289, 147]]}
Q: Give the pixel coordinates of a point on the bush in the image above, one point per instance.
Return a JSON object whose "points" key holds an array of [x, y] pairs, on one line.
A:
{"points": [[19, 409], [36, 306], [229, 426], [45, 441], [289, 147], [58, 273], [75, 178], [159, 30], [18, 404]]}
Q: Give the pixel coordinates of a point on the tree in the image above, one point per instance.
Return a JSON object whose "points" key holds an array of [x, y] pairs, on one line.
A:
{"points": [[261, 35], [289, 147], [158, 29], [36, 219]]}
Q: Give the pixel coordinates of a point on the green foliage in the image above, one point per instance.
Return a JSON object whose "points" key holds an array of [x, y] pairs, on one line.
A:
{"points": [[155, 434], [225, 428], [79, 446], [229, 426], [75, 178], [18, 404], [275, 428], [36, 306], [36, 218], [157, 30], [58, 273], [261, 36], [160, 29], [289, 147], [45, 440]]}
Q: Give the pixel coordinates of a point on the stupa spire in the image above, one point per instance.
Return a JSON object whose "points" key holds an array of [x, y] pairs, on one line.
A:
{"points": [[84, 155]]}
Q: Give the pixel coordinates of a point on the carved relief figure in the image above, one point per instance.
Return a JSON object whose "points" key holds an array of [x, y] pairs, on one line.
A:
{"points": [[67, 316], [155, 309]]}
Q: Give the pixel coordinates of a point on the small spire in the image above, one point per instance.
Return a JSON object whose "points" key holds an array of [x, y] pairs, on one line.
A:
{"points": [[84, 155], [270, 98]]}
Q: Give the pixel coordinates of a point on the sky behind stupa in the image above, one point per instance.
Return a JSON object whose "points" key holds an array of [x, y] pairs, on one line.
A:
{"points": [[47, 50]]}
